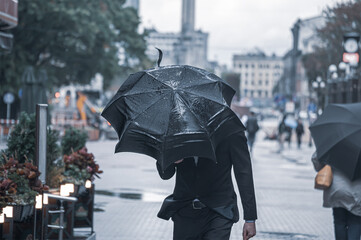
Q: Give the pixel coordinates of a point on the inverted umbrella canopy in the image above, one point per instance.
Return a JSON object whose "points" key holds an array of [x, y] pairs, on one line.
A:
{"points": [[337, 136], [172, 112]]}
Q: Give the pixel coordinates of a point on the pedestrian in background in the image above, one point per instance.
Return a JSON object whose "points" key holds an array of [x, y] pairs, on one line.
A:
{"points": [[299, 132], [344, 197], [282, 128], [251, 127], [288, 135]]}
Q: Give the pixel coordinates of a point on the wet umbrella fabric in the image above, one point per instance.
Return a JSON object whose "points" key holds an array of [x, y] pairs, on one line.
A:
{"points": [[172, 112], [337, 135]]}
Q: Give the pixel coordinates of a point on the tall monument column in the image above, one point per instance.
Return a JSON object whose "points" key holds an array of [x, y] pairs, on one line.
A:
{"points": [[188, 16]]}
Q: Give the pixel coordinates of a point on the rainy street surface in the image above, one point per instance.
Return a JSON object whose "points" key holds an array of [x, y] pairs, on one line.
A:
{"points": [[130, 192]]}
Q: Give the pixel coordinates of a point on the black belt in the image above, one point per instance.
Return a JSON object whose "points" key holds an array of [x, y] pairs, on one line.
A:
{"points": [[196, 204]]}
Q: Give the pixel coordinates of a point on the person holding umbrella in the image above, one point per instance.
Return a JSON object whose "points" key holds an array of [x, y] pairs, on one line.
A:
{"points": [[343, 196], [204, 204], [337, 136], [180, 115]]}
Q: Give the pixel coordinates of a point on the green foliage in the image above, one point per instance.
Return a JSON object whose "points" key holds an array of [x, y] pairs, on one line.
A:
{"points": [[72, 41], [24, 195], [74, 174], [73, 140], [21, 142]]}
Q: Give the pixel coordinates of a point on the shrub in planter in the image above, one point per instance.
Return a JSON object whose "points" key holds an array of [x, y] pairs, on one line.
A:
{"points": [[19, 183], [79, 167], [73, 140], [22, 141]]}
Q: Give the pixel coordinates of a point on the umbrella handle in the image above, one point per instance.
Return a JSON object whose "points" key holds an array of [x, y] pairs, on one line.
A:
{"points": [[159, 57]]}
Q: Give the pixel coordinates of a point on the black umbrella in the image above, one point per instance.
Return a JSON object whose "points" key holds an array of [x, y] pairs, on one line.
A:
{"points": [[337, 135], [172, 112]]}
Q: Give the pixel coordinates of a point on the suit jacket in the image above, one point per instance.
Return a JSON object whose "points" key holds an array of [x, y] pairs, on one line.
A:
{"points": [[211, 182]]}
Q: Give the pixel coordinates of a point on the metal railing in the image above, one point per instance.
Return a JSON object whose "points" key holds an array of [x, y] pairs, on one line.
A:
{"points": [[61, 212]]}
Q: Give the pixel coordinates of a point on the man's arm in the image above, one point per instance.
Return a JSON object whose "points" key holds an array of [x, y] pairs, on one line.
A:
{"points": [[167, 173], [242, 168]]}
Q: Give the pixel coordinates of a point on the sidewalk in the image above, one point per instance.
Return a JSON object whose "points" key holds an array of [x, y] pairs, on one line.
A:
{"points": [[130, 193]]}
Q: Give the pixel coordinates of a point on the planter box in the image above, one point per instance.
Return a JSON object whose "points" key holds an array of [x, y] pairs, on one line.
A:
{"points": [[84, 208], [23, 212]]}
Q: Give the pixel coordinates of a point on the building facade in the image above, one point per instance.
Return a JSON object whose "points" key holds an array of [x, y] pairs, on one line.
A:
{"points": [[294, 83], [187, 47], [258, 75], [8, 20]]}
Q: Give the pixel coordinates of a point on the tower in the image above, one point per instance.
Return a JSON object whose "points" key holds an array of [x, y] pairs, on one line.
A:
{"points": [[188, 16]]}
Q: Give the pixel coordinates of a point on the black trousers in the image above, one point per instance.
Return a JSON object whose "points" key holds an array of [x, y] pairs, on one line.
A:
{"points": [[347, 225], [200, 224]]}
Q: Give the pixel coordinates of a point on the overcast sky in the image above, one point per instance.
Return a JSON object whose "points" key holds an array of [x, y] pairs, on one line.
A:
{"points": [[236, 26]]}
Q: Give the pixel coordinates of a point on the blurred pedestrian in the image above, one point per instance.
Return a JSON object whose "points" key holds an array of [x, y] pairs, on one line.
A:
{"points": [[282, 132], [288, 135], [251, 127], [204, 204], [344, 197], [299, 132]]}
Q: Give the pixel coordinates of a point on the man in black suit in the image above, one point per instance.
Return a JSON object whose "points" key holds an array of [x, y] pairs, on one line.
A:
{"points": [[204, 203]]}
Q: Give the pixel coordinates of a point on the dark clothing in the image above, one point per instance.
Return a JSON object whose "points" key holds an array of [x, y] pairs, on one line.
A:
{"points": [[252, 125], [299, 133], [202, 224], [211, 182], [252, 128], [347, 225]]}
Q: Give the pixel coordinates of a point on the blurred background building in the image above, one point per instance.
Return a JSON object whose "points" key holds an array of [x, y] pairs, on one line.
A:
{"points": [[8, 20], [188, 47], [258, 75], [294, 84]]}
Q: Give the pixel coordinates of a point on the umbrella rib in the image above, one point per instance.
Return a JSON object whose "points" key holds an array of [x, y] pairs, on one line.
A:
{"points": [[151, 105], [345, 137], [205, 97], [348, 110], [159, 80], [331, 123], [138, 93], [195, 115]]}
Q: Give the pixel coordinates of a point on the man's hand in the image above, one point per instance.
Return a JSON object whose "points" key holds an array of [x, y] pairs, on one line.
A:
{"points": [[179, 161], [249, 230]]}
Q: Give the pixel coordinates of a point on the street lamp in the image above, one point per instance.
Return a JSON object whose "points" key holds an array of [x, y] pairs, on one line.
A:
{"points": [[319, 85]]}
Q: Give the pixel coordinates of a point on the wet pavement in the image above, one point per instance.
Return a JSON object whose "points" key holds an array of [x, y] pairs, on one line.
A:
{"points": [[130, 192]]}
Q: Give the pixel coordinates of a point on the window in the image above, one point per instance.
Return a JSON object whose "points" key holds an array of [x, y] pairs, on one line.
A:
{"points": [[252, 65], [259, 93], [252, 93], [266, 82], [246, 82], [260, 82], [252, 82], [240, 65], [246, 65]]}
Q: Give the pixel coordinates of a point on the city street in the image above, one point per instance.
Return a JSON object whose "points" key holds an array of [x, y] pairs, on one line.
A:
{"points": [[130, 192]]}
